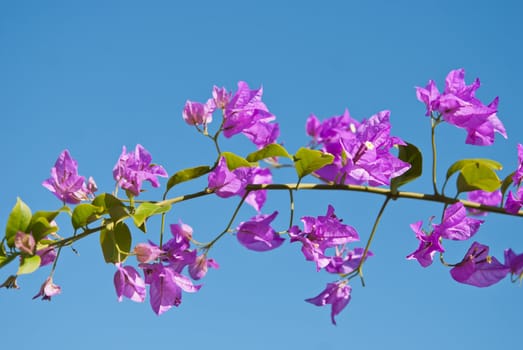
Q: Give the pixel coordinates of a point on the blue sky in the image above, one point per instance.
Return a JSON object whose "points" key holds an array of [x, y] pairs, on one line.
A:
{"points": [[93, 76]]}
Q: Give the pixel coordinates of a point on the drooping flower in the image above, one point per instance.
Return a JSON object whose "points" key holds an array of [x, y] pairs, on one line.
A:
{"points": [[135, 167], [48, 289], [257, 233], [166, 286], [514, 262], [320, 234], [336, 294], [196, 113], [459, 106], [129, 284], [483, 197], [47, 255], [146, 252], [65, 183], [177, 250], [456, 225], [198, 269], [478, 268], [428, 246]]}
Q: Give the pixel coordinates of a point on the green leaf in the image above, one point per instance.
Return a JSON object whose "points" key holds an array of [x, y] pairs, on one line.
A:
{"points": [[411, 155], [507, 182], [112, 206], [308, 160], [48, 215], [186, 175], [269, 151], [477, 176], [41, 228], [28, 264], [18, 220], [115, 241], [235, 161], [4, 260], [146, 210], [460, 164], [84, 214]]}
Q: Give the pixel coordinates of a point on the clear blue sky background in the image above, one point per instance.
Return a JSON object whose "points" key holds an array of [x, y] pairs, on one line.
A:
{"points": [[93, 76]]}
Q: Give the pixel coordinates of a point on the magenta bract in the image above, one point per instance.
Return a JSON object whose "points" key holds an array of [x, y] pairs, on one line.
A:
{"points": [[336, 294]]}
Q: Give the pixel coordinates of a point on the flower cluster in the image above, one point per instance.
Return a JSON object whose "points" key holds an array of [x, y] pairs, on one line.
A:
{"points": [[477, 268], [361, 150], [515, 200], [459, 106], [320, 235], [162, 269], [243, 112], [66, 184]]}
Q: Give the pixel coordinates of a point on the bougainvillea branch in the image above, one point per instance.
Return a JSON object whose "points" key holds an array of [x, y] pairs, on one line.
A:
{"points": [[344, 154]]}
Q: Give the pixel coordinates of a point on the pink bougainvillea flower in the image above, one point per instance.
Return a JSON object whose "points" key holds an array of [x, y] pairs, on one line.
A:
{"points": [[361, 151], [146, 252], [346, 262], [135, 167], [47, 255], [336, 294], [429, 245], [518, 174], [514, 202], [166, 286], [321, 233], [483, 197], [246, 113], [25, 242], [226, 183], [514, 262], [478, 268], [257, 234], [223, 181], [48, 289], [198, 269], [221, 97], [66, 184], [456, 225], [196, 113], [459, 106], [129, 284]]}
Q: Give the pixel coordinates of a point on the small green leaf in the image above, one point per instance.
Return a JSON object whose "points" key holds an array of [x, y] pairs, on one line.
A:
{"points": [[477, 176], [112, 206], [115, 241], [41, 228], [235, 161], [84, 214], [146, 210], [506, 183], [28, 264], [460, 164], [308, 160], [411, 155], [269, 151], [18, 220], [186, 175], [107, 201], [48, 215]]}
